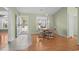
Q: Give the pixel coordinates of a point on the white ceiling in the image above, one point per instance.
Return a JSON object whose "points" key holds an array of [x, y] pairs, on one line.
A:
{"points": [[40, 10]]}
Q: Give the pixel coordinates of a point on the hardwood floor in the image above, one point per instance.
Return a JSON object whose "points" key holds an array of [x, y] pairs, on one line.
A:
{"points": [[57, 43], [3, 39]]}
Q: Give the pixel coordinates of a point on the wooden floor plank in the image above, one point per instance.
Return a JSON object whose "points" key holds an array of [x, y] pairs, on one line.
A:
{"points": [[58, 43]]}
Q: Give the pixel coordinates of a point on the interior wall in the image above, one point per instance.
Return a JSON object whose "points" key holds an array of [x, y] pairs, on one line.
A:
{"points": [[60, 21], [12, 31], [11, 23], [72, 18], [32, 22], [78, 27]]}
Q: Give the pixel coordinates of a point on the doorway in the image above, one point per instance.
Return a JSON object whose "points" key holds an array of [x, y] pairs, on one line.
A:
{"points": [[3, 28]]}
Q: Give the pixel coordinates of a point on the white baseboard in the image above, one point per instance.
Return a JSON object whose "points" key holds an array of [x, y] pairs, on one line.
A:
{"points": [[61, 35]]}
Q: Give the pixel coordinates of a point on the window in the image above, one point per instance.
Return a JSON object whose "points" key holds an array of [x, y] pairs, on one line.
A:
{"points": [[42, 22]]}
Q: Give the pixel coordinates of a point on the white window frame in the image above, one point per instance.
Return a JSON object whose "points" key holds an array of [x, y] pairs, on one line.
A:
{"points": [[40, 19]]}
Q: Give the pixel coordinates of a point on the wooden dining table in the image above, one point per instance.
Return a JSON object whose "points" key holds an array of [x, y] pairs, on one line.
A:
{"points": [[47, 33]]}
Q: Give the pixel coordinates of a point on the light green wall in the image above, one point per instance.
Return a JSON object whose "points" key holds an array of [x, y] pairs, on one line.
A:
{"points": [[15, 13], [32, 22], [11, 27], [51, 21], [72, 18], [78, 27], [73, 22], [60, 21]]}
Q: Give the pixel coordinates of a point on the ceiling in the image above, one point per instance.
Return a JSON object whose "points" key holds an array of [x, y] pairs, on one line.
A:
{"points": [[39, 10]]}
